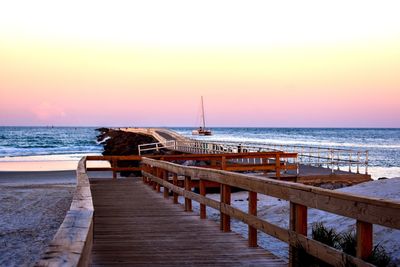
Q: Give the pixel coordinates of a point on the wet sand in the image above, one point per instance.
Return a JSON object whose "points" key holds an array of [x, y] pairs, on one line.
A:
{"points": [[37, 177]]}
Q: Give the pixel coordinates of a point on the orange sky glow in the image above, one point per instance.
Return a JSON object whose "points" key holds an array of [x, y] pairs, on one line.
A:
{"points": [[146, 63]]}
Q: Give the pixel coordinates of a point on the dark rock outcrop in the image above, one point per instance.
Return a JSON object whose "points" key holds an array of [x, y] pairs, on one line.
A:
{"points": [[121, 143]]}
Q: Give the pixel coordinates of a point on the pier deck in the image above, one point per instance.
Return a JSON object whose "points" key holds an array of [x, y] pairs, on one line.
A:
{"points": [[135, 226], [310, 171]]}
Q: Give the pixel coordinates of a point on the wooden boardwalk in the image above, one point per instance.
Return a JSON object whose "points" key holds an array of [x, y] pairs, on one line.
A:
{"points": [[135, 226]]}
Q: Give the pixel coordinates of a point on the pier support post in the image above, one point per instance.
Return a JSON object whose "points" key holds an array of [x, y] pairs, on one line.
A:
{"points": [[188, 187], [113, 166], [278, 166], [158, 174], [175, 182], [298, 223], [223, 163], [165, 178], [364, 239], [153, 183], [202, 188], [252, 211], [225, 223]]}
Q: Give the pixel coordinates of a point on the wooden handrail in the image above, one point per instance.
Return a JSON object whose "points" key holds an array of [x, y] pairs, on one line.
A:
{"points": [[72, 244], [225, 161], [226, 155], [113, 157], [365, 210]]}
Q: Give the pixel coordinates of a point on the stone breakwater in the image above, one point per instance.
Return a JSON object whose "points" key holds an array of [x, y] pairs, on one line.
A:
{"points": [[121, 143]]}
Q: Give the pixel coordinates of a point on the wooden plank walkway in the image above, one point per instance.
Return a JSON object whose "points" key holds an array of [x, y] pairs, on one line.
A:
{"points": [[135, 226]]}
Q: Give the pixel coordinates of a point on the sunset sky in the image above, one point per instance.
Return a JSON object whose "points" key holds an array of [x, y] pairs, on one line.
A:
{"points": [[146, 63]]}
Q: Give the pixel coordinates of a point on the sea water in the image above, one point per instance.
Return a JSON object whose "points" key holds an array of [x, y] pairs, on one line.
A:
{"points": [[56, 143], [47, 143], [383, 145]]}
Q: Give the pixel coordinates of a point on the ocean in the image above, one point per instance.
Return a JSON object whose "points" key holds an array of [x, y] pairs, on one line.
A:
{"points": [[383, 145], [48, 142]]}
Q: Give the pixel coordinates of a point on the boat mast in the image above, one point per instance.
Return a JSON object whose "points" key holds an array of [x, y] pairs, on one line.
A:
{"points": [[202, 113]]}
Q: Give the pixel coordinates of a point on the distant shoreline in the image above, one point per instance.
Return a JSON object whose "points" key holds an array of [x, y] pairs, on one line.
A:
{"points": [[66, 162]]}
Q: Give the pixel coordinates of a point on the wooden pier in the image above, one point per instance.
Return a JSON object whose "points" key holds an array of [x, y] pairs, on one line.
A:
{"points": [[134, 226], [128, 222], [315, 165]]}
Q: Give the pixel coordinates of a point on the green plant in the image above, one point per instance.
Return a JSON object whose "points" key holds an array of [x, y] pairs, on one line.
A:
{"points": [[379, 257], [324, 235], [348, 243]]}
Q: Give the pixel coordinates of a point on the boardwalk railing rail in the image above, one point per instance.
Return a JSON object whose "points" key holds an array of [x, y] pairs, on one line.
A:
{"points": [[277, 162], [365, 210], [171, 144], [332, 158], [114, 160], [72, 244]]}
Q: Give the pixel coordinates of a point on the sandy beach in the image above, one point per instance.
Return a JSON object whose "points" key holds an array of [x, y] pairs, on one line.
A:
{"points": [[33, 207], [35, 195]]}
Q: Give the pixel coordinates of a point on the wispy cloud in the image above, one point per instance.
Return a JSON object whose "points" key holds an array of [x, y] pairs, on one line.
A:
{"points": [[46, 112]]}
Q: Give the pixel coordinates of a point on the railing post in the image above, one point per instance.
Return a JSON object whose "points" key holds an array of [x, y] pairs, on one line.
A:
{"points": [[364, 239], [202, 188], [113, 166], [225, 220], [152, 183], [165, 178], [223, 163], [349, 161], [145, 168], [278, 166], [158, 174], [298, 223], [252, 211], [175, 182], [188, 201]]}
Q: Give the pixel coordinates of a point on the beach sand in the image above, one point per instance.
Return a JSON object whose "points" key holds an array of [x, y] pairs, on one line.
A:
{"points": [[35, 195], [33, 205]]}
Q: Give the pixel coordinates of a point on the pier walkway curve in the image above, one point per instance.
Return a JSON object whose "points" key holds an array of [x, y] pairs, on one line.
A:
{"points": [[134, 226], [127, 222]]}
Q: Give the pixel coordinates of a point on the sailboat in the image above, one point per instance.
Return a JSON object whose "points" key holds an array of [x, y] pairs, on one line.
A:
{"points": [[202, 129]]}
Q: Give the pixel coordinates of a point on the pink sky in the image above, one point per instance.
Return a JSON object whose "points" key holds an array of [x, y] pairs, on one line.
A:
{"points": [[293, 68]]}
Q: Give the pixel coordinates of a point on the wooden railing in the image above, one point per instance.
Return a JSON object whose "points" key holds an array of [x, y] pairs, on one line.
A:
{"points": [[114, 163], [276, 162], [155, 147], [72, 244], [365, 210], [73, 241], [332, 158]]}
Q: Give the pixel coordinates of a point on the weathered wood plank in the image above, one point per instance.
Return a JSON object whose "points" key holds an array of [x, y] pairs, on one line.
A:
{"points": [[151, 231]]}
